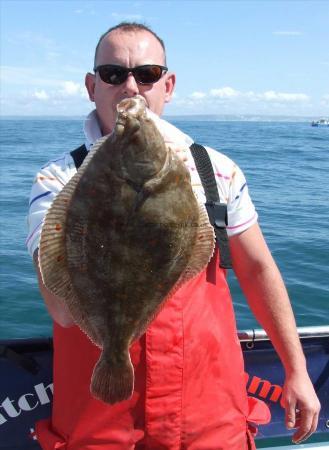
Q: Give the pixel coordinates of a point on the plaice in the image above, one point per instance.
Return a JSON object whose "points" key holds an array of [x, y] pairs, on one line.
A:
{"points": [[121, 237]]}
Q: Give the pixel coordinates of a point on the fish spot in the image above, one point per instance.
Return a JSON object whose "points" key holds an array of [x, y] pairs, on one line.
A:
{"points": [[58, 227], [60, 258]]}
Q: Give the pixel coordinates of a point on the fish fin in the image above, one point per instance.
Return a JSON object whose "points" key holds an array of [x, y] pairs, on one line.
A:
{"points": [[52, 254], [203, 248], [91, 153], [53, 261], [112, 382], [202, 253]]}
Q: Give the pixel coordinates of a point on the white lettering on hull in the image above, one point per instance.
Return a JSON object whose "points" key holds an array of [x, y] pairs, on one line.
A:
{"points": [[42, 395]]}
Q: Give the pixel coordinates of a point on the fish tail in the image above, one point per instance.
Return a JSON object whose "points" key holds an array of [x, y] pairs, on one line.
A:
{"points": [[112, 382]]}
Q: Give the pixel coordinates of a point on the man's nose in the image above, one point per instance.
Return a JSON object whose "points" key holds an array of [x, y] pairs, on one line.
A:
{"points": [[131, 85]]}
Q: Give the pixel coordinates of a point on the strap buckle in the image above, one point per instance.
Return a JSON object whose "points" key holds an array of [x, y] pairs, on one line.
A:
{"points": [[217, 213]]}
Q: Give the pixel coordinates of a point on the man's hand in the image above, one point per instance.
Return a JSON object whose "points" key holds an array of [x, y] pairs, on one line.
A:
{"points": [[302, 406]]}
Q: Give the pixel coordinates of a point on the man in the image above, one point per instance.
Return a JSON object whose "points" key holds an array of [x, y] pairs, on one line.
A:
{"points": [[189, 381]]}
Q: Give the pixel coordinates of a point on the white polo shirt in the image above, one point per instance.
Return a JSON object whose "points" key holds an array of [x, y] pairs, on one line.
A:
{"points": [[231, 183]]}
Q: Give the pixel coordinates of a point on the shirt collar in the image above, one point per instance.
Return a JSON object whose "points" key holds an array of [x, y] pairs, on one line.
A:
{"points": [[92, 129]]}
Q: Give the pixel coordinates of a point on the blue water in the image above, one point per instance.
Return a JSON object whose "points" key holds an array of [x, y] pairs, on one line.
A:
{"points": [[286, 165]]}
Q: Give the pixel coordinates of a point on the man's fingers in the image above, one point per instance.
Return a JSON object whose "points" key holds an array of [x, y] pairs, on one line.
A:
{"points": [[308, 423], [302, 406], [290, 414]]}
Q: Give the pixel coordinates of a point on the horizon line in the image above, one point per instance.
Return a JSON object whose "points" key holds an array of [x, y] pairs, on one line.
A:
{"points": [[237, 115]]}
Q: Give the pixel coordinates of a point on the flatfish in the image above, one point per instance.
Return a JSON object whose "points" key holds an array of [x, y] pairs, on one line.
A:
{"points": [[121, 237]]}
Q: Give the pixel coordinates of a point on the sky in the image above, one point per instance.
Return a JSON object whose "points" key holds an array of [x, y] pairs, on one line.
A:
{"points": [[230, 57]]}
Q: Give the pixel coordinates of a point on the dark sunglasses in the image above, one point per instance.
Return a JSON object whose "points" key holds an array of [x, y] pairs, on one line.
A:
{"points": [[146, 74]]}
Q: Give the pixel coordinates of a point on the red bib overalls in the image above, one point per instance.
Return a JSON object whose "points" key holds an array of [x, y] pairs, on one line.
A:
{"points": [[189, 392]]}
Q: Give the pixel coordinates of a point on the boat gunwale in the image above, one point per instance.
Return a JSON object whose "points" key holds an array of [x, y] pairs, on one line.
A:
{"points": [[308, 332], [248, 335]]}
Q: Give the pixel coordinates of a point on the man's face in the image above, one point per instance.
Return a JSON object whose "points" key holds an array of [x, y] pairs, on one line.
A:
{"points": [[128, 49]]}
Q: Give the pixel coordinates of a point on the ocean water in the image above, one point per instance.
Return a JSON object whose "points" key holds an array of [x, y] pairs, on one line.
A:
{"points": [[286, 165]]}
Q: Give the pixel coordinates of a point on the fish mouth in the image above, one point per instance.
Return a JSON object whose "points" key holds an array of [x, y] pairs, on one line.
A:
{"points": [[132, 105], [130, 111]]}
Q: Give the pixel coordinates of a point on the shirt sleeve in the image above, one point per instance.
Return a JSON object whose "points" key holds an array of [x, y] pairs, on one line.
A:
{"points": [[240, 208], [48, 182], [233, 190]]}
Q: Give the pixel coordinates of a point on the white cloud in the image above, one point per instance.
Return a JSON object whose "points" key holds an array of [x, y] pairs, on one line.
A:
{"points": [[225, 92], [198, 95], [229, 100], [70, 88], [251, 95], [287, 33], [284, 97], [269, 96], [64, 93], [41, 95], [40, 86]]}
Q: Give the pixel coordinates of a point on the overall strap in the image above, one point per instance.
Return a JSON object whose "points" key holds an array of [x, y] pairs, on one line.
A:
{"points": [[79, 155], [217, 211]]}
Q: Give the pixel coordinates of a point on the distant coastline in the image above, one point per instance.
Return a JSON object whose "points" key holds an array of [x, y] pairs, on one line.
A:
{"points": [[190, 117]]}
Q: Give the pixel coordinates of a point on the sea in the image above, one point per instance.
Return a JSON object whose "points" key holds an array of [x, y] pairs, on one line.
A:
{"points": [[286, 165]]}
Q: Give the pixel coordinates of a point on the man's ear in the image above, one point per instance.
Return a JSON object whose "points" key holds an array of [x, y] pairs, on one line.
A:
{"points": [[170, 85], [90, 81]]}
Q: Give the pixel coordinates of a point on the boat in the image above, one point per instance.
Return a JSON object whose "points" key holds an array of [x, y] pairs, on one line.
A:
{"points": [[26, 387], [320, 123]]}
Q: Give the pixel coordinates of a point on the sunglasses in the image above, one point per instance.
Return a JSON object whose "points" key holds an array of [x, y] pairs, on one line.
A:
{"points": [[146, 74]]}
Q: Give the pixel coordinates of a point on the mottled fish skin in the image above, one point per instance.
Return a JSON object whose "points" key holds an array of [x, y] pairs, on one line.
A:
{"points": [[131, 235]]}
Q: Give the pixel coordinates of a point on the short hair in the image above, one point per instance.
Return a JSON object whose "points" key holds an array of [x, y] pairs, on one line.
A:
{"points": [[129, 26]]}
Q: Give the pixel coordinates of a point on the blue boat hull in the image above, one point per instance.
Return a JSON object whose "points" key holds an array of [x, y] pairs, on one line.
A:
{"points": [[26, 388]]}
